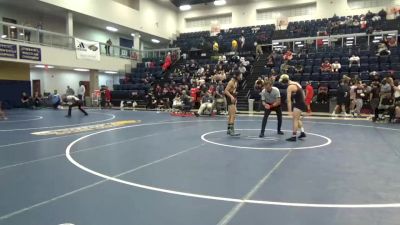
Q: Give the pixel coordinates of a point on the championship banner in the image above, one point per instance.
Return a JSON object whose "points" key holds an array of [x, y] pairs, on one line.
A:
{"points": [[8, 51], [87, 49], [30, 53]]}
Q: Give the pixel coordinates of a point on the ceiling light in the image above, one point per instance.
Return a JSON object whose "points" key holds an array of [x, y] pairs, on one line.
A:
{"points": [[376, 41], [389, 36], [378, 37], [275, 43], [298, 42], [21, 34], [44, 66], [392, 34], [132, 34], [3, 36], [300, 45], [81, 70], [325, 40], [349, 44], [185, 7], [349, 41], [350, 38], [113, 29], [155, 41], [12, 27], [110, 72], [219, 2]]}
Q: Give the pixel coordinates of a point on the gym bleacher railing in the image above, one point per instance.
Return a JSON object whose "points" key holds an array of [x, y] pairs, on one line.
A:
{"points": [[24, 34], [341, 40]]}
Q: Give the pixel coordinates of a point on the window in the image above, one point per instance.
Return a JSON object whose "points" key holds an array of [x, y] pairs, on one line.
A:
{"points": [[360, 4], [225, 19], [274, 13]]}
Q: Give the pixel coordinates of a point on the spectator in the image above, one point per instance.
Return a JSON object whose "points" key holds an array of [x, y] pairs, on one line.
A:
{"points": [[336, 66], [288, 55], [259, 50], [108, 97], [81, 92], [242, 69], [242, 41], [37, 100], [270, 61], [374, 99], [363, 24], [108, 45], [216, 47], [234, 45], [207, 102], [284, 67], [356, 23], [326, 66], [396, 88], [369, 15], [382, 50], [360, 94], [309, 96], [69, 91], [298, 68], [322, 96], [376, 18], [167, 62], [25, 100], [354, 60], [55, 100], [27, 33], [341, 98]]}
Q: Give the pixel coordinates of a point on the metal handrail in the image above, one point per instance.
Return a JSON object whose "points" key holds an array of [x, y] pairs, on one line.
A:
{"points": [[64, 41]]}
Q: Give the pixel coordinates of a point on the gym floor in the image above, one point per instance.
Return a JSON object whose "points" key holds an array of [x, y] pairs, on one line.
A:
{"points": [[155, 169]]}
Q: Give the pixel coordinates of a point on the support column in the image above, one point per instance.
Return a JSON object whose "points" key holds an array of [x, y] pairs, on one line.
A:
{"points": [[70, 24], [70, 28], [137, 45], [94, 80]]}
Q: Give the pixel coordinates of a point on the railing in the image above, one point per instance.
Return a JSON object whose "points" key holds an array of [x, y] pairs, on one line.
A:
{"points": [[343, 40], [160, 53], [19, 33]]}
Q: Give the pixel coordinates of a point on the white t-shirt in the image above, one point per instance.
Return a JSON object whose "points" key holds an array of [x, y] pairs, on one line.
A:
{"points": [[397, 92]]}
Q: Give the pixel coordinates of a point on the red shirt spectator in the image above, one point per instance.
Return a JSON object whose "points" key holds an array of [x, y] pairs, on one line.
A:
{"points": [[309, 93], [108, 95], [167, 62], [288, 55], [326, 66]]}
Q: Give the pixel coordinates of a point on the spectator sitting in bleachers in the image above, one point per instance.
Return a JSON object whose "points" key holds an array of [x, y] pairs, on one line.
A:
{"points": [[167, 62], [242, 69], [244, 62], [382, 50], [356, 23], [354, 60], [270, 61], [207, 102], [336, 66], [376, 18], [151, 101], [234, 45], [326, 66], [215, 47], [284, 67], [288, 55], [363, 24], [298, 68]]}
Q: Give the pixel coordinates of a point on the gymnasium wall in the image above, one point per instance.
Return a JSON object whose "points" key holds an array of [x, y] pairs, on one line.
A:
{"points": [[59, 79], [153, 17], [246, 14], [14, 79]]}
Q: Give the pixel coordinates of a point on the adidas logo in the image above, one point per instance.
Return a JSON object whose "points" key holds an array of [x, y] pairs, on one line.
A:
{"points": [[81, 45]]}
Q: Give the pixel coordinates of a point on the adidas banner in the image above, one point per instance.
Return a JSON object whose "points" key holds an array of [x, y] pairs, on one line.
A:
{"points": [[87, 49]]}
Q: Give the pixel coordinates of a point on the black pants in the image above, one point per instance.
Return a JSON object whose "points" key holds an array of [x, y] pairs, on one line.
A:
{"points": [[79, 104], [278, 111]]}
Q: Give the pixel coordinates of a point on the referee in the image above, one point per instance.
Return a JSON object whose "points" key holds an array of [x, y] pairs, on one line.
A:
{"points": [[271, 100]]}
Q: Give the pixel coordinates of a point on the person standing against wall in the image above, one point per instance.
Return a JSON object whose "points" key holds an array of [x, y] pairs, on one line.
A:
{"points": [[108, 45], [81, 93]]}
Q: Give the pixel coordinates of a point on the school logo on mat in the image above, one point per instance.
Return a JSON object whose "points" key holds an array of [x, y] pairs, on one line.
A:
{"points": [[95, 127]]}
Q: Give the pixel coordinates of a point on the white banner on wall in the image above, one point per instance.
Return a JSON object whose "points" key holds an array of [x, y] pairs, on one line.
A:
{"points": [[87, 49]]}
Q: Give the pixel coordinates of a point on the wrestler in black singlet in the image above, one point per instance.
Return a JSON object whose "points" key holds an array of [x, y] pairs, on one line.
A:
{"points": [[298, 101]]}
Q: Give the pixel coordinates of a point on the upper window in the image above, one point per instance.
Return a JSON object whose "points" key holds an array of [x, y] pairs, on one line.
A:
{"points": [[291, 11], [361, 4], [207, 21]]}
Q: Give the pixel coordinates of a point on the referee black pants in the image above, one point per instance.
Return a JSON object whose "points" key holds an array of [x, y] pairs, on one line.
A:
{"points": [[79, 104], [278, 111]]}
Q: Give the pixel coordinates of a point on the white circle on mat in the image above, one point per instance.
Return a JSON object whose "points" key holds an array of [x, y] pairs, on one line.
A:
{"points": [[328, 141]]}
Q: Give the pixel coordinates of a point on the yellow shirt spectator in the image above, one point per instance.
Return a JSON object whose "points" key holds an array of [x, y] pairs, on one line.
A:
{"points": [[234, 45], [215, 47]]}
